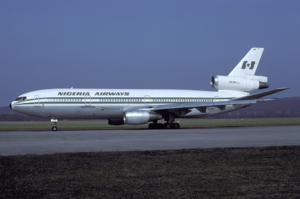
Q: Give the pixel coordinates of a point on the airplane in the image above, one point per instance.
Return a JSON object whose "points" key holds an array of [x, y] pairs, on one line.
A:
{"points": [[141, 106]]}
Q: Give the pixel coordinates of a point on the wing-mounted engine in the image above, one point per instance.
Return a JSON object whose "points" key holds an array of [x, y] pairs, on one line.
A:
{"points": [[139, 117], [245, 83]]}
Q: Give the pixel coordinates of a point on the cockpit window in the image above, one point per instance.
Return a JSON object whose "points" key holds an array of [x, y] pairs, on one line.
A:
{"points": [[21, 99]]}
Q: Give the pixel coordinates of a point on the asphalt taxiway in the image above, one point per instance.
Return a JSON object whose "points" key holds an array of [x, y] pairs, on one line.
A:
{"points": [[48, 142]]}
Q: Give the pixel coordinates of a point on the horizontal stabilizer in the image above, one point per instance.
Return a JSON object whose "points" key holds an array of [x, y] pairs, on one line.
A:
{"points": [[262, 94]]}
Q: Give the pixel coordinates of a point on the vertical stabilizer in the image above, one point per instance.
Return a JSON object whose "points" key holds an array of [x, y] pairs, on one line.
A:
{"points": [[249, 64]]}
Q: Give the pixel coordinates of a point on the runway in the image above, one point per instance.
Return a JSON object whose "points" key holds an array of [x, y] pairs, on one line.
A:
{"points": [[48, 142]]}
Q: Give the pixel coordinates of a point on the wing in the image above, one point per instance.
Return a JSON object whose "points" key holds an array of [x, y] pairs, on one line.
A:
{"points": [[184, 108], [203, 104]]}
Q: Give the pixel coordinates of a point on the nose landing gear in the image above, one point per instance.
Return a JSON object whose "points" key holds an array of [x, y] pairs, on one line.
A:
{"points": [[54, 121]]}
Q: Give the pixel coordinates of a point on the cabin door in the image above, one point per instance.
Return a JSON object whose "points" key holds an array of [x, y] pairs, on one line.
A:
{"points": [[36, 100], [216, 99], [88, 100], [147, 100]]}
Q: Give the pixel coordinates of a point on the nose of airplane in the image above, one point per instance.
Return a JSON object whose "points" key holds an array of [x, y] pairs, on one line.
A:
{"points": [[10, 105]]}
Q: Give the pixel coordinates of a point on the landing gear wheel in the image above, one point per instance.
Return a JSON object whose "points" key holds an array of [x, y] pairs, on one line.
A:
{"points": [[167, 125], [175, 126], [54, 121]]}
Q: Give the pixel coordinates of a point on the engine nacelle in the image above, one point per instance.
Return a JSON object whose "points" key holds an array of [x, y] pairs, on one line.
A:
{"points": [[244, 84], [115, 121], [139, 117]]}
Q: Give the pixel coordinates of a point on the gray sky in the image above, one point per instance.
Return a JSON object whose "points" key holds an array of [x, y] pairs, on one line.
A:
{"points": [[143, 44]]}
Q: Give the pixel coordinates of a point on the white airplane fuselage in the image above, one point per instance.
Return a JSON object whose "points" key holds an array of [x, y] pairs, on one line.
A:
{"points": [[111, 103]]}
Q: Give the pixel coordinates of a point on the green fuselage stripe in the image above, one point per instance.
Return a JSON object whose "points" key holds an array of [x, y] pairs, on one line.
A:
{"points": [[117, 100]]}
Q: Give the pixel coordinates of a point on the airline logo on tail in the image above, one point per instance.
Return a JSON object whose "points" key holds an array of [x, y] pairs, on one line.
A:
{"points": [[248, 65]]}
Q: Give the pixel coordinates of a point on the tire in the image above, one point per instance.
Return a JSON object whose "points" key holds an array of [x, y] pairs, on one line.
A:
{"points": [[167, 126], [176, 126], [54, 128]]}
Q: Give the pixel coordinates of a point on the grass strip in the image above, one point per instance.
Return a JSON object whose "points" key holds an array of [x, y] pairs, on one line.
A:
{"points": [[98, 125]]}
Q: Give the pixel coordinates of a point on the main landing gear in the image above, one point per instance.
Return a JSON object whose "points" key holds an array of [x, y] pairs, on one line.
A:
{"points": [[54, 121], [164, 126]]}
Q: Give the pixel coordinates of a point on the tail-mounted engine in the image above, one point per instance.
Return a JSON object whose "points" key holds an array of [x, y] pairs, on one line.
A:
{"points": [[139, 117], [245, 83]]}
